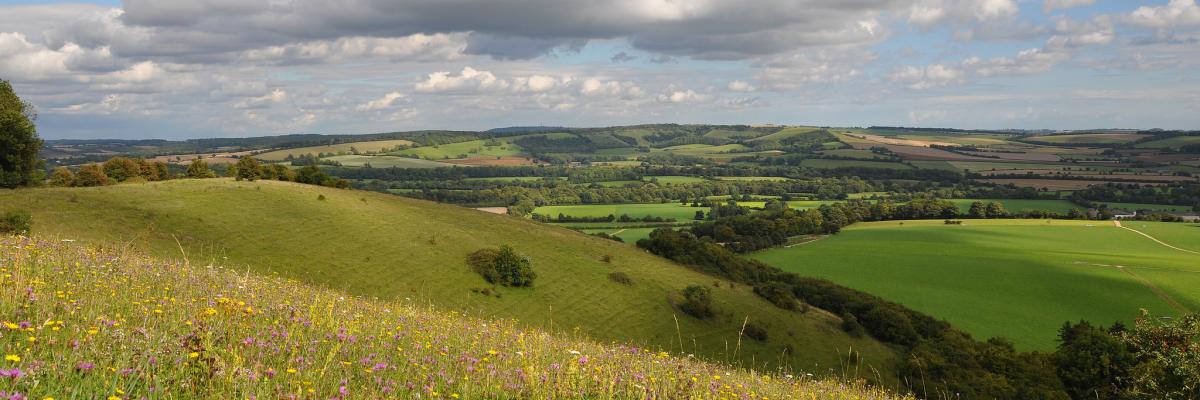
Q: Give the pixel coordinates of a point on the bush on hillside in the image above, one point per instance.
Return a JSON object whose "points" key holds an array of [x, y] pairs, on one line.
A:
{"points": [[16, 223], [621, 277], [91, 175], [697, 301], [502, 266], [851, 326], [755, 331], [62, 177], [198, 169]]}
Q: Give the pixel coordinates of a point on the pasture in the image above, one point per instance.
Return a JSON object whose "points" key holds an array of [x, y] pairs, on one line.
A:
{"points": [[351, 160], [666, 210], [382, 246], [362, 147], [1088, 138], [983, 275], [468, 149]]}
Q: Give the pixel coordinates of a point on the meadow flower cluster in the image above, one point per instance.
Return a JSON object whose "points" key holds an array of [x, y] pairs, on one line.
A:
{"points": [[86, 322]]}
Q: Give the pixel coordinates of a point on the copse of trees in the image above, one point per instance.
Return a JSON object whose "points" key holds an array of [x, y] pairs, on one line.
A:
{"points": [[198, 169], [19, 141], [502, 266]]}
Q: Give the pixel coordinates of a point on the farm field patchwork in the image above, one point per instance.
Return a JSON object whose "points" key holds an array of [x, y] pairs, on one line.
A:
{"points": [[1143, 206], [666, 210], [1014, 205], [1174, 142], [985, 274], [628, 235], [363, 147], [1100, 138], [826, 163], [351, 160], [473, 148]]}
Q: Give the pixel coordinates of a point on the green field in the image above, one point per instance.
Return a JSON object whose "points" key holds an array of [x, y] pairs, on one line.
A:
{"points": [[363, 147], [751, 178], [825, 163], [1170, 143], [1144, 206], [666, 210], [1014, 205], [674, 180], [984, 275], [1104, 138], [351, 160], [629, 235], [378, 245], [472, 148], [517, 179]]}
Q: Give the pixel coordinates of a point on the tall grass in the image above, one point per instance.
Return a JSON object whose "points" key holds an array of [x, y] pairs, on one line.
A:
{"points": [[87, 322]]}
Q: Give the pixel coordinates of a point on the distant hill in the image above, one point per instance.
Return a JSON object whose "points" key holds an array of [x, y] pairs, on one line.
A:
{"points": [[390, 247], [516, 129]]}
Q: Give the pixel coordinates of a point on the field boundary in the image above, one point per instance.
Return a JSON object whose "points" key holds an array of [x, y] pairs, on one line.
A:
{"points": [[1118, 224]]}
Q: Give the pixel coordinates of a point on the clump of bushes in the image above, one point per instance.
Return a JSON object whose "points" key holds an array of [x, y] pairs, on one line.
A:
{"points": [[16, 223], [503, 266], [697, 301], [755, 331], [851, 326], [621, 277], [778, 294]]}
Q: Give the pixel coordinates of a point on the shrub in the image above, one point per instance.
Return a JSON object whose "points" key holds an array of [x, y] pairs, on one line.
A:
{"points": [[16, 222], [621, 277], [62, 177], [697, 301], [502, 266], [321, 197], [198, 169], [779, 294], [755, 331], [91, 175], [248, 168], [851, 326]]}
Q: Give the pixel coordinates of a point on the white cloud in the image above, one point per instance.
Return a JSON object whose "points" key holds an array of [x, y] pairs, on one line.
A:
{"points": [[382, 103], [469, 80], [741, 86], [926, 13], [1049, 6], [1177, 13], [684, 96], [921, 78]]}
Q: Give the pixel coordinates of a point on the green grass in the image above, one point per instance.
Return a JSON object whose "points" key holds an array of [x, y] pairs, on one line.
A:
{"points": [[1169, 143], [472, 148], [786, 133], [97, 323], [1106, 138], [666, 210], [629, 235], [1014, 205], [824, 163], [986, 275], [674, 180], [751, 178], [364, 147], [378, 245], [385, 162], [1144, 206]]}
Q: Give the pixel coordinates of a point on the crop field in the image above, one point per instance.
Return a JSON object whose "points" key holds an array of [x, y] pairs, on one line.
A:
{"points": [[363, 147], [824, 163], [351, 160], [1101, 138], [786, 133], [473, 148], [383, 246], [985, 274], [1174, 142]]}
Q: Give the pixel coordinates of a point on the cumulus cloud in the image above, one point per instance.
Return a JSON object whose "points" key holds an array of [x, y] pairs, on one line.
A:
{"points": [[741, 86], [382, 103], [926, 13], [1049, 6], [1177, 13], [920, 78], [469, 80]]}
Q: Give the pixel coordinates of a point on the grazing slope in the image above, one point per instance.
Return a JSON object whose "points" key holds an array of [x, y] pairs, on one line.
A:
{"points": [[372, 244], [97, 324], [985, 274]]}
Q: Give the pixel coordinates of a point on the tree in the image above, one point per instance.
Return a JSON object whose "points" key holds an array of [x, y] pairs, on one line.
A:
{"points": [[62, 177], [514, 269], [121, 169], [995, 210], [699, 215], [1091, 362], [198, 169], [1168, 353], [282, 172], [91, 175], [248, 168], [978, 210], [19, 142]]}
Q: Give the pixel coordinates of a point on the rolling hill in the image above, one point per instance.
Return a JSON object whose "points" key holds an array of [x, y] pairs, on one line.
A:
{"points": [[376, 245]]}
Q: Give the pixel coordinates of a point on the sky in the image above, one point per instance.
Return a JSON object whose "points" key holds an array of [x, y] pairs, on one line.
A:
{"points": [[229, 68]]}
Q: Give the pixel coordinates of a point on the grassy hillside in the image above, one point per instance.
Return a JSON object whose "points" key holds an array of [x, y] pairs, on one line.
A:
{"points": [[985, 274], [377, 245], [80, 322]]}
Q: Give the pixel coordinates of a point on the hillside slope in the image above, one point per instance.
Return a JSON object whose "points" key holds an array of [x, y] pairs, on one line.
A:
{"points": [[120, 325], [384, 246]]}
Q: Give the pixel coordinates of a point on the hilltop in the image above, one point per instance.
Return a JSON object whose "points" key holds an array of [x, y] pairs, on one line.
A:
{"points": [[375, 245], [84, 322]]}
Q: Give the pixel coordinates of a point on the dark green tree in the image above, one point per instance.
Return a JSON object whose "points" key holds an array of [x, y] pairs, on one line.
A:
{"points": [[19, 142], [248, 168], [1091, 362], [198, 169]]}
